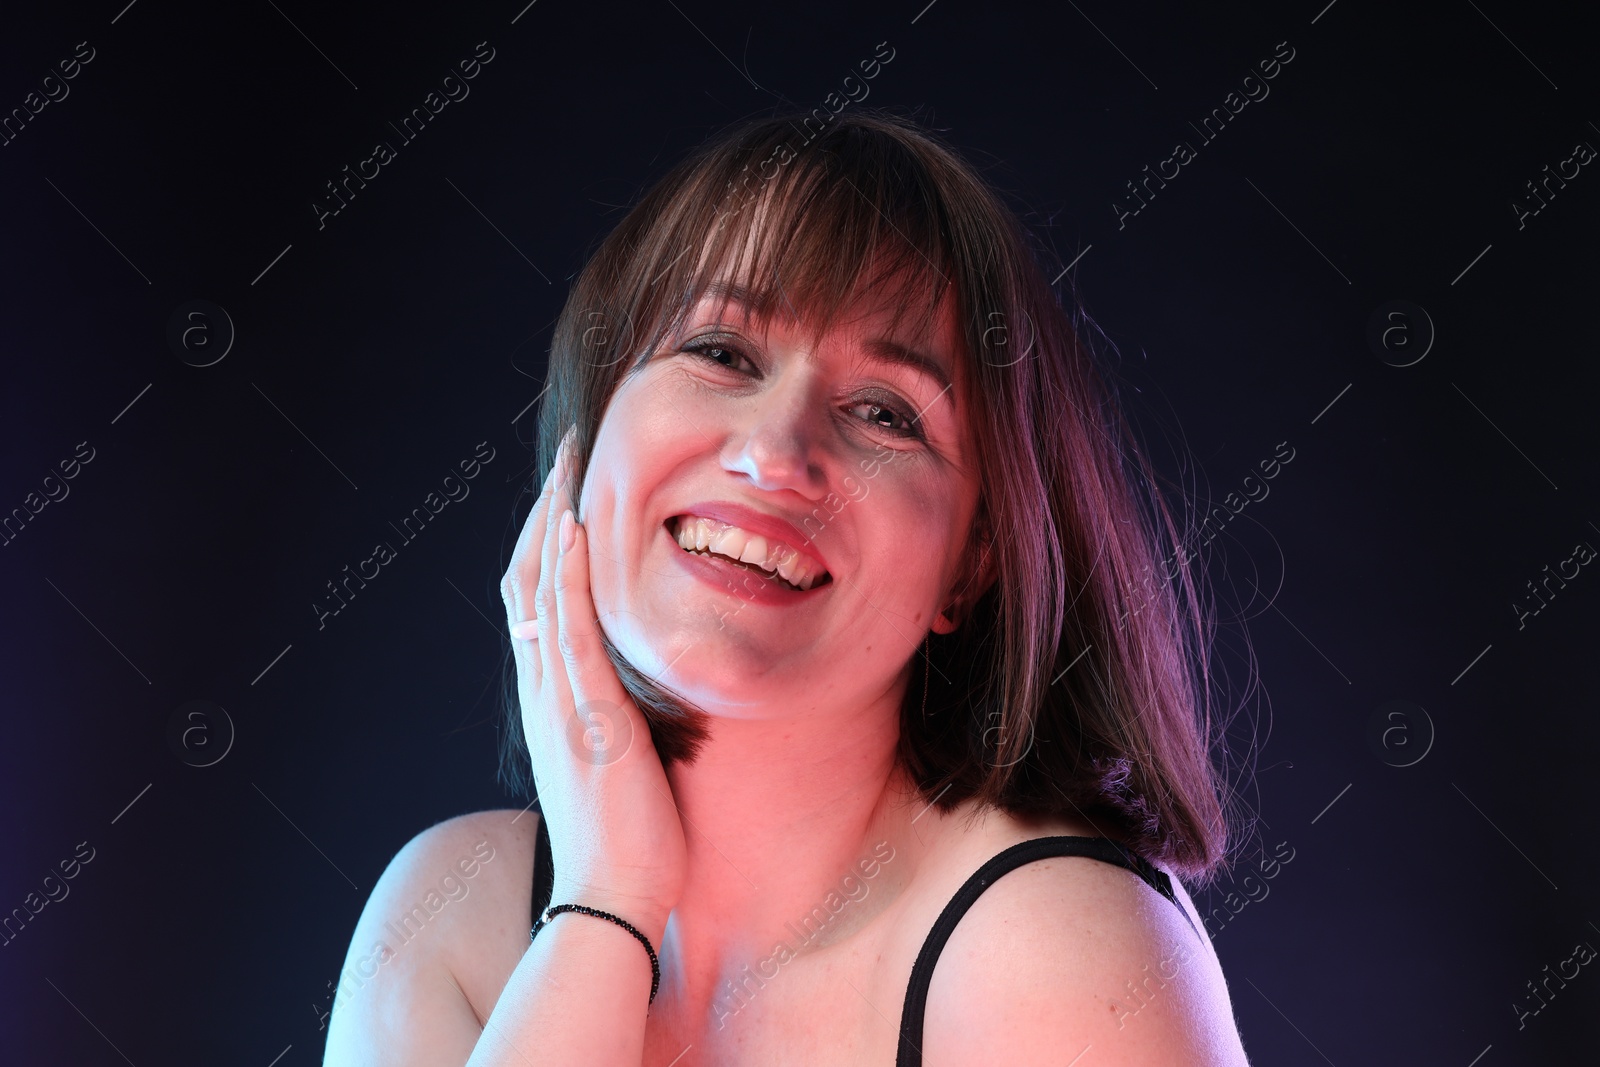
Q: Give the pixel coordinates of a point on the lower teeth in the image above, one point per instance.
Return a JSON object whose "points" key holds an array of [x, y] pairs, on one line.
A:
{"points": [[771, 576]]}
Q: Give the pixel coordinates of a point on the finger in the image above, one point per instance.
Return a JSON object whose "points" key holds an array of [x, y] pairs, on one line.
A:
{"points": [[517, 587], [551, 680], [589, 672], [522, 576], [522, 573], [530, 540], [521, 580]]}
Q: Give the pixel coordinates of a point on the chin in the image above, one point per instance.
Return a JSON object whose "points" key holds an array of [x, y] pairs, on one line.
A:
{"points": [[711, 667], [700, 643]]}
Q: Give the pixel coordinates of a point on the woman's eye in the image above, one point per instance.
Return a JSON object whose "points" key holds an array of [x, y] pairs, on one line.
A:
{"points": [[883, 416], [718, 352], [886, 418]]}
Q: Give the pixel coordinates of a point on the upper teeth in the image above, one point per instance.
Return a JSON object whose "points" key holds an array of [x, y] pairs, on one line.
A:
{"points": [[708, 535]]}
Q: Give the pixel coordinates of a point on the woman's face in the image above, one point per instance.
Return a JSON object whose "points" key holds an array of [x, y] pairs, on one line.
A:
{"points": [[858, 461]]}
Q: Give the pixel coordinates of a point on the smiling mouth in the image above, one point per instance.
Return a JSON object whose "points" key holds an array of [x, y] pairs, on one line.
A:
{"points": [[769, 559]]}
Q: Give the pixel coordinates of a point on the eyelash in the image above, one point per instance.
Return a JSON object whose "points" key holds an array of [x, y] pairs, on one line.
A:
{"points": [[911, 431]]}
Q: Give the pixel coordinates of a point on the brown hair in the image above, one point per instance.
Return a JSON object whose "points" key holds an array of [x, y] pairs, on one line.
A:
{"points": [[1065, 690]]}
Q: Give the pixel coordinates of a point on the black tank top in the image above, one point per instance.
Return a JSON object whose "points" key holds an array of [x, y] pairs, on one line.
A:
{"points": [[911, 1015]]}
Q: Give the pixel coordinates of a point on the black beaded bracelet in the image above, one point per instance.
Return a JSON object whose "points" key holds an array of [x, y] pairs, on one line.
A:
{"points": [[655, 964]]}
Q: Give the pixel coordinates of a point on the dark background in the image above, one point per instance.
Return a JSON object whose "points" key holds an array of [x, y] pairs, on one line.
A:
{"points": [[375, 353]]}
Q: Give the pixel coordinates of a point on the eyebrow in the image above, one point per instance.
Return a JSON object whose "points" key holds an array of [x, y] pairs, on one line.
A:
{"points": [[882, 350], [886, 351]]}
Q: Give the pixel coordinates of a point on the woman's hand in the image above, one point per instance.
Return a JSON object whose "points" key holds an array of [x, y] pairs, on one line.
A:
{"points": [[615, 835]]}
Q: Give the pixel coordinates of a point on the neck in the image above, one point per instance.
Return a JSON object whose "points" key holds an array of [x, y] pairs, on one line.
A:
{"points": [[779, 815]]}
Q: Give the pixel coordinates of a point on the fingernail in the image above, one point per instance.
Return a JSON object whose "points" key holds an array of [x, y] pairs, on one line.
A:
{"points": [[526, 630], [569, 531], [564, 457]]}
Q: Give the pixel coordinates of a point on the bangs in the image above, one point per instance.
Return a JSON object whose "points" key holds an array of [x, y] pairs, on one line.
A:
{"points": [[805, 234]]}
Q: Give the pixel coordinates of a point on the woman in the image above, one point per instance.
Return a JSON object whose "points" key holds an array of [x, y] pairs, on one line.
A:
{"points": [[836, 802]]}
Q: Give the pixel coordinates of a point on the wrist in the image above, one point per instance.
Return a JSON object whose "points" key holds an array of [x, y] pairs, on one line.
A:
{"points": [[612, 919], [648, 917]]}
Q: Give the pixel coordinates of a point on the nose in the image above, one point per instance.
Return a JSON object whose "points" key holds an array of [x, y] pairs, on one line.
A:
{"points": [[777, 442]]}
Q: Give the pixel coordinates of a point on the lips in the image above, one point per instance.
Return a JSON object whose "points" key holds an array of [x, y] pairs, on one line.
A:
{"points": [[764, 544]]}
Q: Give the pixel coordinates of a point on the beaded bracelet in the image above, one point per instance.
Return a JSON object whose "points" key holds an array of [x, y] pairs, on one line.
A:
{"points": [[655, 964]]}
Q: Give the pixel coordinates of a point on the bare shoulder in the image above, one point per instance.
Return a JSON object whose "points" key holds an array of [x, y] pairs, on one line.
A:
{"points": [[1067, 953], [441, 933]]}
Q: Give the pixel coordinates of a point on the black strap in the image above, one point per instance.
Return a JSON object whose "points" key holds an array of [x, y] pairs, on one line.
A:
{"points": [[544, 875], [1099, 848]]}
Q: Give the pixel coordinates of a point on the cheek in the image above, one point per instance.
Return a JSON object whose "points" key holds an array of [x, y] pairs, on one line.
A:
{"points": [[607, 529], [635, 454], [905, 523], [946, 512]]}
